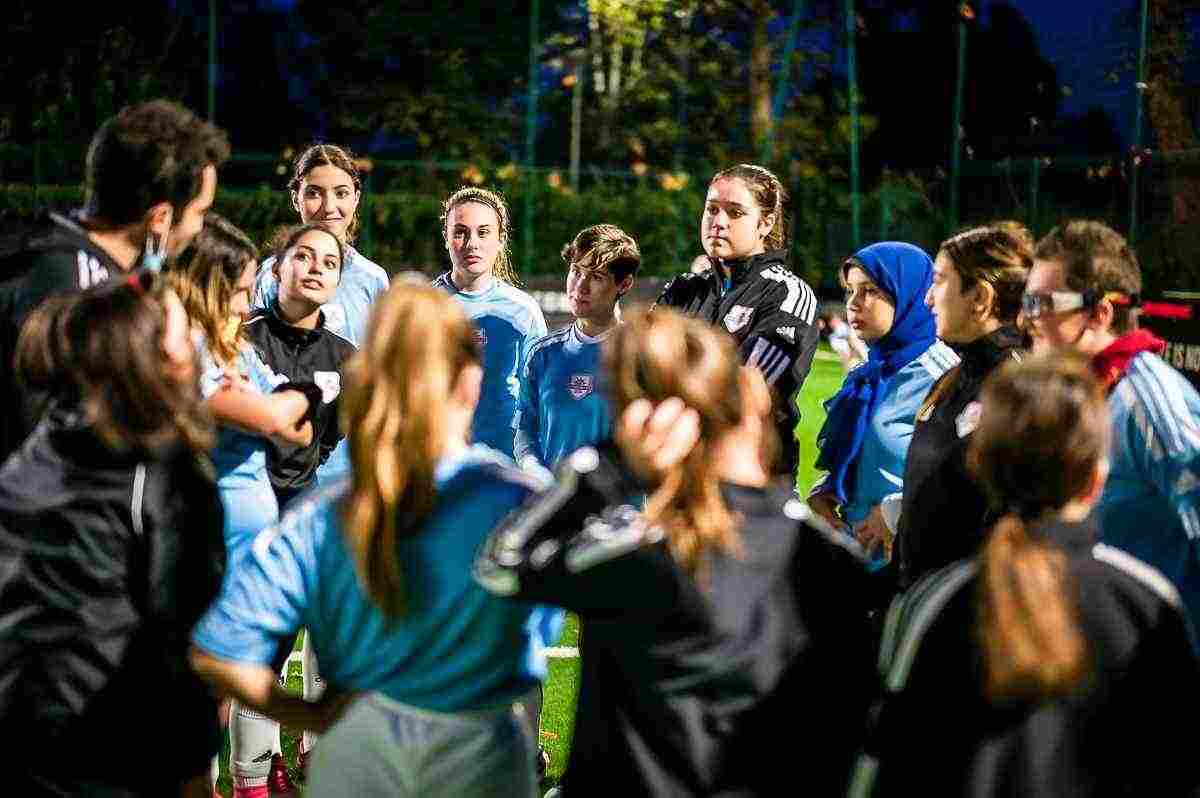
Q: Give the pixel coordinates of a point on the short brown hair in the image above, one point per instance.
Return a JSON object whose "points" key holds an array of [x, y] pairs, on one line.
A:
{"points": [[994, 256], [149, 153], [1096, 258], [604, 247], [101, 351], [327, 155]]}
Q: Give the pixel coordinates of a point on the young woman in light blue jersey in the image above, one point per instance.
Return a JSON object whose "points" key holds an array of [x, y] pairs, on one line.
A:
{"points": [[378, 568], [869, 422], [562, 403], [213, 280], [507, 320]]}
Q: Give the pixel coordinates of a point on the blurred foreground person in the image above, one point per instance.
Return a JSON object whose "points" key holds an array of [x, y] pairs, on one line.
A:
{"points": [[378, 570], [712, 620], [1045, 665], [110, 551]]}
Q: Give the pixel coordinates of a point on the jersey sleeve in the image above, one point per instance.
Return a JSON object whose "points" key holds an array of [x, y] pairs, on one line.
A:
{"points": [[581, 545], [1163, 431], [526, 422], [267, 592], [57, 271], [266, 287], [668, 297]]}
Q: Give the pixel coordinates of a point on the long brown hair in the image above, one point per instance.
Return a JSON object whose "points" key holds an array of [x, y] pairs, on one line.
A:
{"points": [[101, 351], [659, 354], [769, 195], [327, 155], [396, 388], [205, 277], [503, 267], [1042, 434]]}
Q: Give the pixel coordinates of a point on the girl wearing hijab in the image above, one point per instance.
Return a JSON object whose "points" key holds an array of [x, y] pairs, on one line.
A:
{"points": [[869, 422]]}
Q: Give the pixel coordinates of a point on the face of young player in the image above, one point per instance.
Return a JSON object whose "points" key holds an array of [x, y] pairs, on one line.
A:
{"points": [[869, 311], [191, 219], [178, 353], [592, 293], [732, 226], [309, 274], [953, 310], [327, 196], [1053, 330], [473, 240]]}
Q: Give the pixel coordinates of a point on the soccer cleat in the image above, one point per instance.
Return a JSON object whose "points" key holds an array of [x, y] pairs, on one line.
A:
{"points": [[279, 782], [302, 764]]}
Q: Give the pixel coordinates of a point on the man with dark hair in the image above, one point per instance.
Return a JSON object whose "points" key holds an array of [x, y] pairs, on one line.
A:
{"points": [[151, 174], [1083, 294]]}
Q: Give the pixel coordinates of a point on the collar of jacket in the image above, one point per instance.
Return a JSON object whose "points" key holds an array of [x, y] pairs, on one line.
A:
{"points": [[1073, 536], [290, 333], [739, 269], [986, 352]]}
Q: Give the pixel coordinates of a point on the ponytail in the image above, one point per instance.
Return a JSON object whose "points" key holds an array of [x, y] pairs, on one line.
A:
{"points": [[1028, 624]]}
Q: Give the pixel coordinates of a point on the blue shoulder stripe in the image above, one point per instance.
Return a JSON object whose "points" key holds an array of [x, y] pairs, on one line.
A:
{"points": [[557, 336]]}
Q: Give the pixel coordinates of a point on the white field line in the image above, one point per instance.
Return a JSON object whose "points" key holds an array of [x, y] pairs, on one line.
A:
{"points": [[554, 652]]}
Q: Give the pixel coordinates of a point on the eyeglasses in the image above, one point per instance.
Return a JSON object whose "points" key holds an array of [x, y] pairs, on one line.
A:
{"points": [[1036, 305]]}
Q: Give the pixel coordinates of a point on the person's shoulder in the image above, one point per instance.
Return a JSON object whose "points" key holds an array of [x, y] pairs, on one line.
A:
{"points": [[309, 519], [936, 360], [369, 268], [549, 342], [518, 297], [1121, 589], [1161, 403], [444, 282], [482, 467]]}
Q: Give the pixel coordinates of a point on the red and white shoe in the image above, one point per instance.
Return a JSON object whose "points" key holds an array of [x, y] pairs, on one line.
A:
{"points": [[302, 764], [279, 782]]}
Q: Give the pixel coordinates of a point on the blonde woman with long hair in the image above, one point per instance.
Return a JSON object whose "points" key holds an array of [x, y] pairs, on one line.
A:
{"points": [[377, 568], [715, 615]]}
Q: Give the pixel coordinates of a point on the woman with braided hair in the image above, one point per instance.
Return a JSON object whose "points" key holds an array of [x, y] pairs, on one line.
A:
{"points": [[477, 230]]}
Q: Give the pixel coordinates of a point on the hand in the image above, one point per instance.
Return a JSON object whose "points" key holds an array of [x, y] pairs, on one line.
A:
{"points": [[332, 705], [873, 533], [234, 380], [654, 439], [825, 505]]}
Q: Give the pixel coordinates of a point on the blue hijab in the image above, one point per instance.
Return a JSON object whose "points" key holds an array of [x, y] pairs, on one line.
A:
{"points": [[904, 273]]}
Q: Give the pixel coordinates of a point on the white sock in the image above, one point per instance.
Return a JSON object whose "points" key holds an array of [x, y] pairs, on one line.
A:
{"points": [[314, 686], [251, 738]]}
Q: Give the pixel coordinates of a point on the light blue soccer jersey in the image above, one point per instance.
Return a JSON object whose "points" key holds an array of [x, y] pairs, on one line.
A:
{"points": [[880, 468], [362, 282], [507, 322], [562, 405], [456, 647], [1151, 503], [241, 459]]}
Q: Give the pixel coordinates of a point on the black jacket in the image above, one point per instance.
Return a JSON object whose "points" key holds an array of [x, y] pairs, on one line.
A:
{"points": [[106, 563], [1122, 732], [302, 355], [770, 312], [51, 255], [944, 514], [694, 687]]}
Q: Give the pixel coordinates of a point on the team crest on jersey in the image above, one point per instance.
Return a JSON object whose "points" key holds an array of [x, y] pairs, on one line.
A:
{"points": [[330, 383], [580, 385], [738, 317], [480, 337], [335, 316], [968, 419], [788, 333]]}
